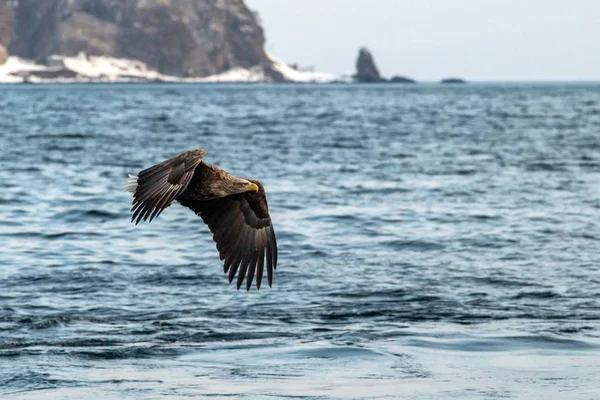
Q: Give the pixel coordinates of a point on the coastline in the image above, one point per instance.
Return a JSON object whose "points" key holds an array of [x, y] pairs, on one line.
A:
{"points": [[103, 69]]}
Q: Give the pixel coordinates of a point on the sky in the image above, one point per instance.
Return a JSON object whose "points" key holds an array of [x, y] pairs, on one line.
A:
{"points": [[479, 40]]}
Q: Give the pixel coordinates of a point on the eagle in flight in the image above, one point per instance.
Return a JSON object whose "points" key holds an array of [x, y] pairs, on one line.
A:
{"points": [[235, 210]]}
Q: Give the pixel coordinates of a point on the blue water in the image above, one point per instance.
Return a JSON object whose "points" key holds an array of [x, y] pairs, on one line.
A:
{"points": [[435, 242]]}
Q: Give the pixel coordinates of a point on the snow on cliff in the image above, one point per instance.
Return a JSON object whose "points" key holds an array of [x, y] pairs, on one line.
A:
{"points": [[294, 75], [10, 70], [84, 68]]}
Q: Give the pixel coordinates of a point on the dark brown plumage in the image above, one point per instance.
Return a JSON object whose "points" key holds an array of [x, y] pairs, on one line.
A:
{"points": [[235, 210]]}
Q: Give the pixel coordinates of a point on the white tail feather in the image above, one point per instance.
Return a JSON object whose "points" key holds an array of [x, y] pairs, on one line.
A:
{"points": [[131, 183]]}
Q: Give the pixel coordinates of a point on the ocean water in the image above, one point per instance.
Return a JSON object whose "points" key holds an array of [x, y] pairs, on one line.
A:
{"points": [[435, 242]]}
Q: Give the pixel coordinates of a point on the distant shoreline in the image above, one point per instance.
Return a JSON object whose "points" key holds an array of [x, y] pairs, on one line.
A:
{"points": [[357, 84], [106, 70]]}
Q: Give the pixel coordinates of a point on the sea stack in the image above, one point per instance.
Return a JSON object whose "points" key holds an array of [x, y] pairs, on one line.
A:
{"points": [[366, 70]]}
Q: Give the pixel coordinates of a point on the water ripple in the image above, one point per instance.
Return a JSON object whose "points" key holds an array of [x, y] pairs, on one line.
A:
{"points": [[427, 235]]}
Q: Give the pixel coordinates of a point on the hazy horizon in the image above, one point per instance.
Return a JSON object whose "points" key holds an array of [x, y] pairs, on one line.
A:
{"points": [[492, 41]]}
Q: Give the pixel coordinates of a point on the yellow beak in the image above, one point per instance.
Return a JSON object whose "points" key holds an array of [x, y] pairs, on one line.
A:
{"points": [[253, 187]]}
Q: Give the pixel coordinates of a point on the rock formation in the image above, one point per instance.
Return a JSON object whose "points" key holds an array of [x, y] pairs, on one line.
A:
{"points": [[452, 80], [366, 70], [187, 38], [401, 79]]}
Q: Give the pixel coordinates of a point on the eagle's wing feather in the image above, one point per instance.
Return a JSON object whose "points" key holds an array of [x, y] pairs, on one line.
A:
{"points": [[242, 229], [155, 188]]}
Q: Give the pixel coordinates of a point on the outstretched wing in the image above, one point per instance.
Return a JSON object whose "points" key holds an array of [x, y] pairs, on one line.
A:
{"points": [[242, 229], [155, 188]]}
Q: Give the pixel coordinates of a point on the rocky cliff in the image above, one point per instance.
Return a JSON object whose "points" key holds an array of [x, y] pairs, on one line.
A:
{"points": [[6, 22], [188, 38], [3, 55]]}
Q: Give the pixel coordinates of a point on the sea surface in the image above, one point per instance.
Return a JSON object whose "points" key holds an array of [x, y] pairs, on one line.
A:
{"points": [[435, 242]]}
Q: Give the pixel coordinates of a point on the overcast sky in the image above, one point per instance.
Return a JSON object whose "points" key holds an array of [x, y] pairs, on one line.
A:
{"points": [[431, 39]]}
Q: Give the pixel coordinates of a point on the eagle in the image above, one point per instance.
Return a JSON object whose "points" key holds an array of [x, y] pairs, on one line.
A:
{"points": [[235, 210]]}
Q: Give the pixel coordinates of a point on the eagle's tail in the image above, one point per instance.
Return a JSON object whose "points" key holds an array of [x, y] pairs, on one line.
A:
{"points": [[131, 183]]}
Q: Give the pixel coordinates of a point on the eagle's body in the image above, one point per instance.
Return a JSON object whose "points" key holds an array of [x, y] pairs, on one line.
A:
{"points": [[235, 210]]}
